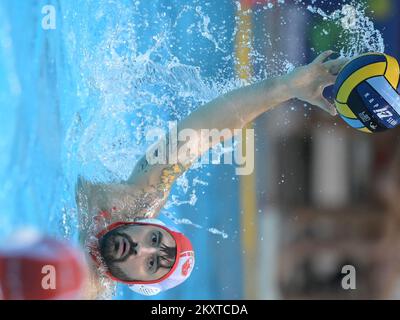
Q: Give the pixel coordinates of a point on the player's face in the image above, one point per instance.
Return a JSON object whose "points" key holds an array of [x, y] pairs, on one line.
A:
{"points": [[138, 252]]}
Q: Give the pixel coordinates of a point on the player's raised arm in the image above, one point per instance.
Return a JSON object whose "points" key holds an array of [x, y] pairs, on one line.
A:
{"points": [[233, 111], [149, 184]]}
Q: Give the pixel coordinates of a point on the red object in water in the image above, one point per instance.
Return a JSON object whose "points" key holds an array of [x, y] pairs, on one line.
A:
{"points": [[41, 269]]}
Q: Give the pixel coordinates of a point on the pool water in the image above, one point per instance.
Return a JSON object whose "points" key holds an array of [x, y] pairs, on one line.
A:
{"points": [[78, 100]]}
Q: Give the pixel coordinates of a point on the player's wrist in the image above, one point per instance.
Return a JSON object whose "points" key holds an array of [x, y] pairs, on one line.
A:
{"points": [[290, 86], [294, 81]]}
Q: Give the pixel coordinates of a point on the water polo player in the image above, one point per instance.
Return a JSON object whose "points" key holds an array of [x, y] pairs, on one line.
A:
{"points": [[122, 244]]}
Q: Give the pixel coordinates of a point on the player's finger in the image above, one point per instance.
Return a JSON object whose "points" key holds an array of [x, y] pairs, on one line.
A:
{"points": [[329, 79], [323, 56], [327, 106], [334, 66]]}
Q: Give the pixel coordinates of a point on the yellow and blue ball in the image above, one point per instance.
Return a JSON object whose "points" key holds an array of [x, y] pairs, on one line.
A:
{"points": [[367, 92]]}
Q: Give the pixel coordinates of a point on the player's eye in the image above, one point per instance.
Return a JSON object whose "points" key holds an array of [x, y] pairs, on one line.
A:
{"points": [[156, 239], [151, 264]]}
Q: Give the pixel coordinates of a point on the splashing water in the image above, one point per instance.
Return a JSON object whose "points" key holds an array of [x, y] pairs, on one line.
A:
{"points": [[357, 29], [185, 221]]}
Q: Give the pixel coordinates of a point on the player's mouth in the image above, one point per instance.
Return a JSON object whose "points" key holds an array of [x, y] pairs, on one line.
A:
{"points": [[122, 247]]}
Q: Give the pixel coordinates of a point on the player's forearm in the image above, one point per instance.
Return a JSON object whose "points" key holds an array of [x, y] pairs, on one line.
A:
{"points": [[239, 107]]}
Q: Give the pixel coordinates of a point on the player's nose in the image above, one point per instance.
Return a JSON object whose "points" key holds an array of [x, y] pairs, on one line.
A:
{"points": [[141, 250]]}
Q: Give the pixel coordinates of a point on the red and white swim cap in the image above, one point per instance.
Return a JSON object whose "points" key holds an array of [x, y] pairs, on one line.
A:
{"points": [[180, 271]]}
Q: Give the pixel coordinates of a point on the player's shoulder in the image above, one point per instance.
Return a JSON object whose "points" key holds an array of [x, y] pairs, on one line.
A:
{"points": [[86, 209]]}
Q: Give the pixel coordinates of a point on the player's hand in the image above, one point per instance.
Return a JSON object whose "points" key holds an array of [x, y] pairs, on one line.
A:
{"points": [[308, 82]]}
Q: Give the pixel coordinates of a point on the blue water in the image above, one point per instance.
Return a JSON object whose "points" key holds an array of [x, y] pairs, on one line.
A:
{"points": [[78, 100]]}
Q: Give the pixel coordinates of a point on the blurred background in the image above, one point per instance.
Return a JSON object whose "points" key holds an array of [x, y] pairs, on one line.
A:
{"points": [[330, 193], [78, 100]]}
